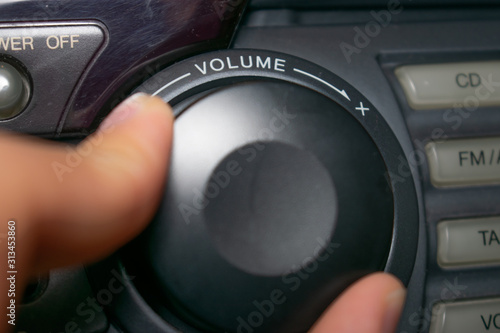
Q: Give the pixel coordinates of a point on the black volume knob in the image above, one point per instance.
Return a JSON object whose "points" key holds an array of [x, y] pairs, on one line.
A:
{"points": [[269, 182], [279, 196]]}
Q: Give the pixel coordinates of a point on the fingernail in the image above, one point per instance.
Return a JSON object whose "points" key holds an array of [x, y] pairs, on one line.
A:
{"points": [[395, 302], [123, 111]]}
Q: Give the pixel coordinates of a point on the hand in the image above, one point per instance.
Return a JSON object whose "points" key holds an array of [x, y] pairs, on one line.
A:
{"points": [[371, 305], [79, 204]]}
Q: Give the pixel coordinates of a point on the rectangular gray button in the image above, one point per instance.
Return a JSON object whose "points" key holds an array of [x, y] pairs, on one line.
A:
{"points": [[439, 86], [466, 317], [469, 242], [464, 162]]}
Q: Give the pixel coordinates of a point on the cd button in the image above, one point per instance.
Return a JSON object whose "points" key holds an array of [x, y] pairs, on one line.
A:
{"points": [[440, 86]]}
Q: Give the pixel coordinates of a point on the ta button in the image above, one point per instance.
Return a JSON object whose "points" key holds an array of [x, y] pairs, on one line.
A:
{"points": [[14, 91]]}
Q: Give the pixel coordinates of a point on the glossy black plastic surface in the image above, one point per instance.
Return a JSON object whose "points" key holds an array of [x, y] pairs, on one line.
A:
{"points": [[54, 58], [140, 33]]}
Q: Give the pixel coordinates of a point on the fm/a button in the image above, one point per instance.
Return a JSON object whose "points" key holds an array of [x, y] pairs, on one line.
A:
{"points": [[464, 162]]}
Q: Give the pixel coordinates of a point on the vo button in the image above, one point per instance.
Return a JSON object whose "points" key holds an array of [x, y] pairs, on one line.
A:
{"points": [[491, 321], [476, 316]]}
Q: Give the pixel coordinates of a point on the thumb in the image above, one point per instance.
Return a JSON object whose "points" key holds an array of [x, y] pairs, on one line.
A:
{"points": [[371, 305], [78, 204]]}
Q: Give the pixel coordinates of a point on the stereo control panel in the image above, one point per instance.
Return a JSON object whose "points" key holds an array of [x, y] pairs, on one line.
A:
{"points": [[386, 113]]}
